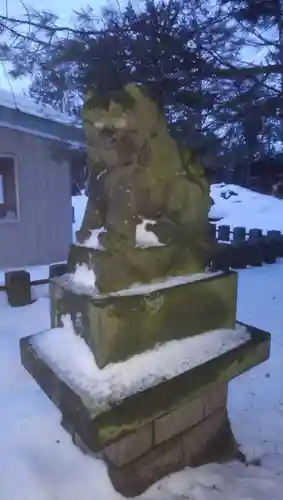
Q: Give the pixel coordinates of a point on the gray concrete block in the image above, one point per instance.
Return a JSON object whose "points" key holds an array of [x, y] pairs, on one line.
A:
{"points": [[134, 478], [215, 398], [179, 420], [130, 447], [197, 440]]}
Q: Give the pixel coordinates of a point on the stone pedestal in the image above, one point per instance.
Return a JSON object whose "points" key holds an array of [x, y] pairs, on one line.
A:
{"points": [[169, 422], [147, 405], [119, 325]]}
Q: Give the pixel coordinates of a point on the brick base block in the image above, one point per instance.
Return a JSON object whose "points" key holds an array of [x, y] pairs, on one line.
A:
{"points": [[211, 440]]}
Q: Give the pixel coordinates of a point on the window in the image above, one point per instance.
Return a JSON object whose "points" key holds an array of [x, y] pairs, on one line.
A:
{"points": [[8, 195]]}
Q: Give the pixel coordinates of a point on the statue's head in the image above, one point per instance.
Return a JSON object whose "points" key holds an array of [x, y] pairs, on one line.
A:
{"points": [[118, 122]]}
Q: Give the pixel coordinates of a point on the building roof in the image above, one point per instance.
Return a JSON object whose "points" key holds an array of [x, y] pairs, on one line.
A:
{"points": [[26, 105], [21, 113]]}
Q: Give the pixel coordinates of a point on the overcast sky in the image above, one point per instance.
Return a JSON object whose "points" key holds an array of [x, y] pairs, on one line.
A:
{"points": [[63, 8]]}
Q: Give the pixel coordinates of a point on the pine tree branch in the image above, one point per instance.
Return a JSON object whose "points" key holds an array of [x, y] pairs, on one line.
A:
{"points": [[233, 71], [259, 36], [11, 24], [5, 23]]}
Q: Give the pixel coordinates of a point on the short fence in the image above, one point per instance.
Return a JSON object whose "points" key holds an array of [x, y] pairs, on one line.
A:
{"points": [[235, 248], [239, 248], [18, 284]]}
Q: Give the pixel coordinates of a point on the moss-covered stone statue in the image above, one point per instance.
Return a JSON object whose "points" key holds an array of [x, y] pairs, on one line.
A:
{"points": [[137, 172]]}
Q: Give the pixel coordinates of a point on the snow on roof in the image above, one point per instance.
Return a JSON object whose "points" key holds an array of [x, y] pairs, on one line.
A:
{"points": [[30, 107]]}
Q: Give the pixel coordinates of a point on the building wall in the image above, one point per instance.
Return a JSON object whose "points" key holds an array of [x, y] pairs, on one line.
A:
{"points": [[43, 233]]}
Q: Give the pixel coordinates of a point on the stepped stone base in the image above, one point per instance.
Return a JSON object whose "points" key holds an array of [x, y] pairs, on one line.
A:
{"points": [[119, 325], [145, 436], [209, 440]]}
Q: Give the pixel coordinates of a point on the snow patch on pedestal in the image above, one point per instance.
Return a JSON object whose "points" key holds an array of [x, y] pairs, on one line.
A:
{"points": [[71, 359], [93, 240], [170, 281], [83, 284], [146, 238], [83, 276]]}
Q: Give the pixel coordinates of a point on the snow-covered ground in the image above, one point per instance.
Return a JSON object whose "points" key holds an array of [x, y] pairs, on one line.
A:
{"points": [[38, 459], [244, 207], [238, 206], [234, 205]]}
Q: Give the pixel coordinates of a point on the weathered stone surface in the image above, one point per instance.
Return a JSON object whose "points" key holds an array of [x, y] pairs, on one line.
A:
{"points": [[117, 327], [216, 398], [101, 429], [209, 441], [140, 265], [41, 372], [260, 348], [178, 420], [75, 415], [134, 479], [130, 447], [137, 172], [56, 293]]}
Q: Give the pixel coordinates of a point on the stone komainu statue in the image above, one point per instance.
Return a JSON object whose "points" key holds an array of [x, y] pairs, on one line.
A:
{"points": [[138, 172]]}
